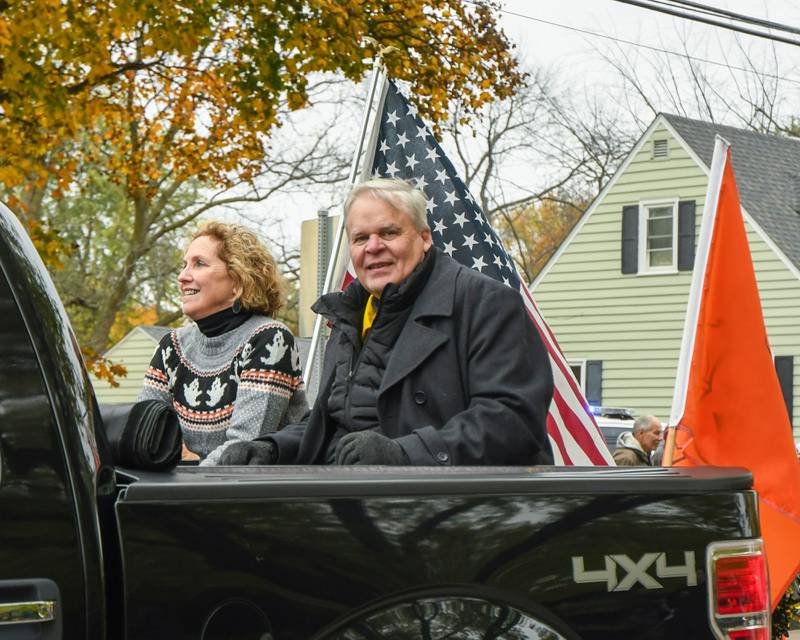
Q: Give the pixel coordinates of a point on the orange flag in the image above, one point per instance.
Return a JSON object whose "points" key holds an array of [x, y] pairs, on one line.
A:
{"points": [[728, 404]]}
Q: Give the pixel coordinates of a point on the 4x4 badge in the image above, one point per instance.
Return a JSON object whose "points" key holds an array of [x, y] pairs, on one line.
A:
{"points": [[635, 571]]}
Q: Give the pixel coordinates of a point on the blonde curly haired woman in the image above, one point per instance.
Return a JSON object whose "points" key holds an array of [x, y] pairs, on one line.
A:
{"points": [[234, 373]]}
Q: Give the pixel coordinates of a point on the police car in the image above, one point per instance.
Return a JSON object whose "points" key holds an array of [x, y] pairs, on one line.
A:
{"points": [[612, 421]]}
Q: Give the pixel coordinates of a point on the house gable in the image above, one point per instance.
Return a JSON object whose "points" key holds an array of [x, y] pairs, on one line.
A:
{"points": [[134, 352], [633, 323]]}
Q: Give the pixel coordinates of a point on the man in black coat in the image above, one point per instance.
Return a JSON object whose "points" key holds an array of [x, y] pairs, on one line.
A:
{"points": [[428, 363]]}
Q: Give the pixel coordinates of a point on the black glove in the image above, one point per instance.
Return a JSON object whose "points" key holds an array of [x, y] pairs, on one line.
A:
{"points": [[369, 447], [250, 452]]}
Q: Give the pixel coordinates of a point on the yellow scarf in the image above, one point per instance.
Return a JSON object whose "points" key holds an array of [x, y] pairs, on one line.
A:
{"points": [[369, 316]]}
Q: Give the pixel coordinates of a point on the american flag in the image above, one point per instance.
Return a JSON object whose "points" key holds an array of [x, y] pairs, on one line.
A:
{"points": [[406, 149]]}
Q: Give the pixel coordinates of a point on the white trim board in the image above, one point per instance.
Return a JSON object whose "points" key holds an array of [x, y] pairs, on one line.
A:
{"points": [[644, 269]]}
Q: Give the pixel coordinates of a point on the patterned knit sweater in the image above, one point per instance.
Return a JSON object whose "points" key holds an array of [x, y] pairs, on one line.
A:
{"points": [[240, 385]]}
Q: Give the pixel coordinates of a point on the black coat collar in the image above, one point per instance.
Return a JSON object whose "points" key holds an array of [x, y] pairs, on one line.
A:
{"points": [[417, 340], [348, 306]]}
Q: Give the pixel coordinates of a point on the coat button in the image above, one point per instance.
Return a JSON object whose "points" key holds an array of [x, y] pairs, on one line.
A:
{"points": [[419, 397], [442, 457]]}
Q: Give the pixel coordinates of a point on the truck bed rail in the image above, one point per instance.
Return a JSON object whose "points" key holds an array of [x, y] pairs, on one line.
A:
{"points": [[186, 483]]}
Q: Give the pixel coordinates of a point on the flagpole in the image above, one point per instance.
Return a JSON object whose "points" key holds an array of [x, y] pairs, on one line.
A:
{"points": [[378, 78], [718, 160]]}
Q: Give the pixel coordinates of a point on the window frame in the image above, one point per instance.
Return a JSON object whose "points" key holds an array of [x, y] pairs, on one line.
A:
{"points": [[644, 208], [581, 364]]}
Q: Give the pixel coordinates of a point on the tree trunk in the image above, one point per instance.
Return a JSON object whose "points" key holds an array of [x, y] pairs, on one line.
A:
{"points": [[107, 314], [32, 204]]}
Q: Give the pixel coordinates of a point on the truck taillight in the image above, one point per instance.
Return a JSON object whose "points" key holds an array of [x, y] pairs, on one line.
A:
{"points": [[738, 590]]}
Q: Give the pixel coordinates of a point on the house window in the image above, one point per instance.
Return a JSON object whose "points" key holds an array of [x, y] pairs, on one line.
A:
{"points": [[784, 367], [636, 256], [660, 149], [578, 368], [589, 374], [658, 236]]}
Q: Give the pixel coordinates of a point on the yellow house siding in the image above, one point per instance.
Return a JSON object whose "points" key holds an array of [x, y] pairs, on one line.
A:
{"points": [[134, 351], [780, 300], [633, 323]]}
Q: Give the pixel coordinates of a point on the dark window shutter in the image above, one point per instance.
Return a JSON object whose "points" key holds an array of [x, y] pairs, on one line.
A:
{"points": [[784, 365], [630, 239], [686, 235], [594, 382]]}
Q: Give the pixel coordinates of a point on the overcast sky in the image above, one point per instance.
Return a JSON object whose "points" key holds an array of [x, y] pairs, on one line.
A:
{"points": [[577, 55], [542, 43]]}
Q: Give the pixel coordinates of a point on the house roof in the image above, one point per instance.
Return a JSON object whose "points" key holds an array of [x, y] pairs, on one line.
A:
{"points": [[155, 332], [767, 172]]}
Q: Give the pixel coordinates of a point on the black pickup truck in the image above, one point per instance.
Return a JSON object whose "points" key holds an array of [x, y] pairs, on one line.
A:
{"points": [[88, 551]]}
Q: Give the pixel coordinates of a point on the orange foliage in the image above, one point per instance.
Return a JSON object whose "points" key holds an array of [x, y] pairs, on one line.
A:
{"points": [[129, 319], [102, 367], [51, 247], [153, 95], [533, 233], [156, 90]]}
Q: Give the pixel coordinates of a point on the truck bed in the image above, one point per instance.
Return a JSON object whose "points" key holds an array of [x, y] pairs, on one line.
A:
{"points": [[360, 553]]}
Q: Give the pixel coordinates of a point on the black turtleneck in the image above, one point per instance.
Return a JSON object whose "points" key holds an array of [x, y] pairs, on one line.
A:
{"points": [[222, 321]]}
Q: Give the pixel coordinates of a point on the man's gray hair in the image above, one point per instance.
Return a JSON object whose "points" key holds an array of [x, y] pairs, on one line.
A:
{"points": [[398, 194], [642, 424]]}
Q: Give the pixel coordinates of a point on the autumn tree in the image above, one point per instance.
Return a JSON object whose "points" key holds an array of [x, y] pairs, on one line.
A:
{"points": [[156, 97], [190, 85], [533, 232], [535, 160], [93, 222], [103, 277]]}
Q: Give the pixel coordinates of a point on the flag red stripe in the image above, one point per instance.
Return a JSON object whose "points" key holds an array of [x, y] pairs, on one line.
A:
{"points": [[582, 438], [549, 337], [558, 357], [576, 427], [551, 343], [554, 433]]}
